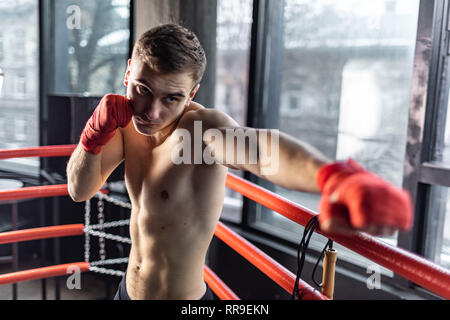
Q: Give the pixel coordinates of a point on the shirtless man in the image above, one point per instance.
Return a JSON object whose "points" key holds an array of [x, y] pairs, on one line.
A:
{"points": [[175, 207]]}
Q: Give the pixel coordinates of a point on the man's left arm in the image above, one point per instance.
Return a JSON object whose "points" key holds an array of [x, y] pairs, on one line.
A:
{"points": [[353, 198], [271, 155]]}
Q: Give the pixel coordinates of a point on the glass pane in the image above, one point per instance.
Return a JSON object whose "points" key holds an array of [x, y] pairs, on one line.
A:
{"points": [[234, 19], [446, 151], [437, 245], [91, 46], [19, 97], [347, 69]]}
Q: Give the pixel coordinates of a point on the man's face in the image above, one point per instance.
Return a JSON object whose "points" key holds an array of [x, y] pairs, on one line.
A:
{"points": [[157, 99]]}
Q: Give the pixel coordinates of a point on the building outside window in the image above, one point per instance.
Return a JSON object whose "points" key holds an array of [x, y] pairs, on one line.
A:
{"points": [[91, 46], [20, 85], [90, 55], [20, 97]]}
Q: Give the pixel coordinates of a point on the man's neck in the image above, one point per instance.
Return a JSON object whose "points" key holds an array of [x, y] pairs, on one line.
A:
{"points": [[158, 138]]}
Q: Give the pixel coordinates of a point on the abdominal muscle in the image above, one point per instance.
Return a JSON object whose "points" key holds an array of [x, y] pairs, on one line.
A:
{"points": [[165, 264], [170, 238]]}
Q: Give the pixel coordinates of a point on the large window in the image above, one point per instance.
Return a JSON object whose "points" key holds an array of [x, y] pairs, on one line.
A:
{"points": [[19, 100], [437, 246], [346, 79], [89, 53], [443, 256], [234, 20], [445, 156], [91, 46]]}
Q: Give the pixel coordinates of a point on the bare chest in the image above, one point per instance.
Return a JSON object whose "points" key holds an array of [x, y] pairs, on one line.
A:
{"points": [[166, 193], [154, 182]]}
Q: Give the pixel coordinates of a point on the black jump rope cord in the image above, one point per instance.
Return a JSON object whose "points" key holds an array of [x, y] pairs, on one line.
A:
{"points": [[301, 254]]}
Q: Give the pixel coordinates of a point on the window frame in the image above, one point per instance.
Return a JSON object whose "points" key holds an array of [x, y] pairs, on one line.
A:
{"points": [[426, 125], [264, 86]]}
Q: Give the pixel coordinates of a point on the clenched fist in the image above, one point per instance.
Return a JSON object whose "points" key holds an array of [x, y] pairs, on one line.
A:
{"points": [[356, 199], [112, 112]]}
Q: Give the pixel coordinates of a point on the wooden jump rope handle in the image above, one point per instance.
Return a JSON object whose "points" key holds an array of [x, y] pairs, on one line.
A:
{"points": [[329, 266]]}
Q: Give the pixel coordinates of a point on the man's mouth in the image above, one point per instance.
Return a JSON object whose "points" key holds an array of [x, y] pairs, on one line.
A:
{"points": [[145, 123]]}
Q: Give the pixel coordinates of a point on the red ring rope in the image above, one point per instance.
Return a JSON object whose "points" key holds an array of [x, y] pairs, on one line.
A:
{"points": [[217, 285], [40, 273], [42, 152], [56, 190], [41, 233], [34, 192]]}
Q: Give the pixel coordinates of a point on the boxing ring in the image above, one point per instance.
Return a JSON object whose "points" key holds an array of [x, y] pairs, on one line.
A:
{"points": [[412, 267]]}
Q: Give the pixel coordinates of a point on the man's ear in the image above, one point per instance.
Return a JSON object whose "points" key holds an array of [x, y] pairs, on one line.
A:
{"points": [[192, 94], [127, 73]]}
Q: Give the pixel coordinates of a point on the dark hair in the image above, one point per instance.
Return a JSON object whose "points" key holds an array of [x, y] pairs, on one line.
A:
{"points": [[171, 48]]}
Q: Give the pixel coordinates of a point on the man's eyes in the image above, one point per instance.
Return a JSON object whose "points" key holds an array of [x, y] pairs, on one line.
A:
{"points": [[142, 89], [169, 99]]}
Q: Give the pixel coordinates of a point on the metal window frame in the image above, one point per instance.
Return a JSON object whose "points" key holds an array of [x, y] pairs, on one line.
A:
{"points": [[264, 86], [426, 124]]}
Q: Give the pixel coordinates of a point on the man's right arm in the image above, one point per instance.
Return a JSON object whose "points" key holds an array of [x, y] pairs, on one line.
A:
{"points": [[100, 149], [87, 172]]}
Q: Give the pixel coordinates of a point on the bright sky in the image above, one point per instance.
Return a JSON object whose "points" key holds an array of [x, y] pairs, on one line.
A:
{"points": [[364, 7]]}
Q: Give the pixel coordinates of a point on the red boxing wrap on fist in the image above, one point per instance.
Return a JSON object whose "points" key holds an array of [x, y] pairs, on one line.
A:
{"points": [[362, 198], [112, 112]]}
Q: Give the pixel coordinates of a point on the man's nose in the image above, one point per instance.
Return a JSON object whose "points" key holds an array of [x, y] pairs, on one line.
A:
{"points": [[153, 110]]}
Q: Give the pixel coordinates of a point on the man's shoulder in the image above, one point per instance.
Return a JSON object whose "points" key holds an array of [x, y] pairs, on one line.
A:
{"points": [[209, 118]]}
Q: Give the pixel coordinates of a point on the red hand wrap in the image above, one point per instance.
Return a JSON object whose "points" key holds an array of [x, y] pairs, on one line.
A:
{"points": [[112, 112], [362, 197]]}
